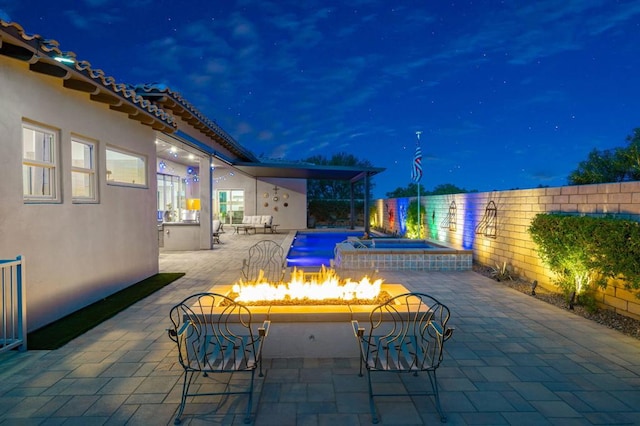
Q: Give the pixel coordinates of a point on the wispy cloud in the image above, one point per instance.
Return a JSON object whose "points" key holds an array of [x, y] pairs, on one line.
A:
{"points": [[523, 34], [242, 28], [465, 128], [544, 97], [96, 3], [4, 15], [612, 20], [91, 22]]}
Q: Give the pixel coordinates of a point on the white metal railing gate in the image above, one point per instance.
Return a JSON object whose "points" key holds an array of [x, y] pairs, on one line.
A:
{"points": [[13, 331]]}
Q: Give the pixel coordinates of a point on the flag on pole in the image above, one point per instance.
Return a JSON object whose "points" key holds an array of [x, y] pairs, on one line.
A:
{"points": [[416, 170]]}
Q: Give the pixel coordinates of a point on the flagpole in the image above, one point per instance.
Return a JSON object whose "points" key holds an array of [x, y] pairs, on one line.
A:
{"points": [[418, 183]]}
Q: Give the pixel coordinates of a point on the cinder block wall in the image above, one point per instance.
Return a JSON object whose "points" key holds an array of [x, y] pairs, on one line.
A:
{"points": [[495, 226]]}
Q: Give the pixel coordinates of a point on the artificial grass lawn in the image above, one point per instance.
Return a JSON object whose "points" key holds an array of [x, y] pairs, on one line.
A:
{"points": [[56, 334]]}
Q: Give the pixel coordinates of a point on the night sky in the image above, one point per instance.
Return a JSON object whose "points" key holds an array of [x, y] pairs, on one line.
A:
{"points": [[508, 94]]}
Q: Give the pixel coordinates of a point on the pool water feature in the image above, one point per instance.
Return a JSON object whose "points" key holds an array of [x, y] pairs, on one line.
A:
{"points": [[396, 254], [398, 243], [314, 249], [348, 251]]}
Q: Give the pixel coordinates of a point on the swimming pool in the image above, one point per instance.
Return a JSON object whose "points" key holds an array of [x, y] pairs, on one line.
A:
{"points": [[314, 249]]}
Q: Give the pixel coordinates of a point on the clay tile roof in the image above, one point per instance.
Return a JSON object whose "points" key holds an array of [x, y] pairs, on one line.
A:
{"points": [[34, 49], [168, 99]]}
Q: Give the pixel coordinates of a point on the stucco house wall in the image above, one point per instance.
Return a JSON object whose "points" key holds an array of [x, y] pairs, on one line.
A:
{"points": [[292, 216], [76, 253], [290, 209]]}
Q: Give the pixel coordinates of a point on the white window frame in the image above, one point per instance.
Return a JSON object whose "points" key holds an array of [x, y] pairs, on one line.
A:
{"points": [[114, 181], [231, 206], [90, 172], [52, 165]]}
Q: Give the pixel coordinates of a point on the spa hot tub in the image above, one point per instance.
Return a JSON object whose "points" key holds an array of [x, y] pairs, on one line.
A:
{"points": [[396, 254]]}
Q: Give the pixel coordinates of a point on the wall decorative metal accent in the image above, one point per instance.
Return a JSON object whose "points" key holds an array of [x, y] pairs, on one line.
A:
{"points": [[488, 225], [451, 219]]}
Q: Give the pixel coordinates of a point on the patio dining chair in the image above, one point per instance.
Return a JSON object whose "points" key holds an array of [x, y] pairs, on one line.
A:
{"points": [[266, 260], [215, 334], [216, 230], [406, 335]]}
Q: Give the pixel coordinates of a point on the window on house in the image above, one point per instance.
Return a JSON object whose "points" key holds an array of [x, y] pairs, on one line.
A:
{"points": [[171, 198], [125, 168], [83, 170], [231, 205], [39, 164]]}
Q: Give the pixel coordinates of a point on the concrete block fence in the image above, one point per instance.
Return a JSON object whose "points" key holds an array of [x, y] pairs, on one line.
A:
{"points": [[495, 226]]}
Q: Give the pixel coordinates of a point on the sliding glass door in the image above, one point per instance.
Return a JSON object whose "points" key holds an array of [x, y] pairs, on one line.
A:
{"points": [[230, 205]]}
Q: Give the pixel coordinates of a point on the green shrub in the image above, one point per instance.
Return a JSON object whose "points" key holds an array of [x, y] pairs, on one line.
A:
{"points": [[412, 221], [586, 251], [373, 216]]}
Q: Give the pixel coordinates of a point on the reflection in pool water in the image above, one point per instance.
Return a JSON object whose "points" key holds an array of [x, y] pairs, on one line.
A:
{"points": [[314, 249]]}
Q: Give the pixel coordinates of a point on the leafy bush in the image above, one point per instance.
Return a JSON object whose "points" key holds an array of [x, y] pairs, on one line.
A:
{"points": [[412, 221], [587, 251], [373, 216]]}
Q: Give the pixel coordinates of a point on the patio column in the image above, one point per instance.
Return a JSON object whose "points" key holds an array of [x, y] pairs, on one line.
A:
{"points": [[352, 213], [366, 203]]}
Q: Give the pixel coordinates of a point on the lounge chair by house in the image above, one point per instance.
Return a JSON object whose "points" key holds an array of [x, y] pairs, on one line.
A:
{"points": [[264, 222]]}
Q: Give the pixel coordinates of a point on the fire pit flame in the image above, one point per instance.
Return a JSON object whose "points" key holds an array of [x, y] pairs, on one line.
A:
{"points": [[325, 285]]}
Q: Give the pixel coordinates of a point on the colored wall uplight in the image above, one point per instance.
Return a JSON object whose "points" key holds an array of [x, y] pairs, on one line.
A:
{"points": [[469, 225], [432, 223], [403, 207], [390, 208]]}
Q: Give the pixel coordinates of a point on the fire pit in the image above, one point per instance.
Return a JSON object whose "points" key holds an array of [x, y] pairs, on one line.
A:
{"points": [[311, 329], [324, 288]]}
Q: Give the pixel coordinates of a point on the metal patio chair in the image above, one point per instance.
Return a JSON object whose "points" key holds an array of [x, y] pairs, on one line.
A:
{"points": [[214, 334], [406, 335], [216, 230], [266, 260]]}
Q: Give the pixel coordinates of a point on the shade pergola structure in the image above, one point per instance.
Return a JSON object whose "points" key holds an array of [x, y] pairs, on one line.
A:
{"points": [[310, 171]]}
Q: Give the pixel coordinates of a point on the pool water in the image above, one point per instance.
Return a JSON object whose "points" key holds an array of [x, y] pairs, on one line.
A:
{"points": [[314, 249]]}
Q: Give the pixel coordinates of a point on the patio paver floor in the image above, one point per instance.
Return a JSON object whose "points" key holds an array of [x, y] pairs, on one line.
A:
{"points": [[512, 360]]}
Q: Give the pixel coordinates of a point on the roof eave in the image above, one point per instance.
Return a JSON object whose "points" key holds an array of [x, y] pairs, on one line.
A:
{"points": [[180, 107], [41, 56]]}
